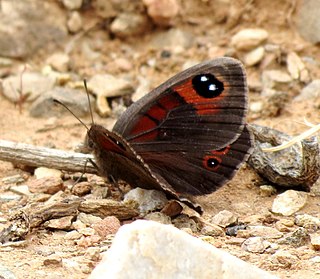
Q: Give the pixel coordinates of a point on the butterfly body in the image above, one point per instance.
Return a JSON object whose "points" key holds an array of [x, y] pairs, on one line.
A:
{"points": [[186, 137]]}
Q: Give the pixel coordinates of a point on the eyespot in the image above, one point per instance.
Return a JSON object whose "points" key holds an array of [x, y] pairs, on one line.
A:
{"points": [[207, 85], [211, 162]]}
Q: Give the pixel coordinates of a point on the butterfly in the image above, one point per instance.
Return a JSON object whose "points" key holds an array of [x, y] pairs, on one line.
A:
{"points": [[186, 137]]}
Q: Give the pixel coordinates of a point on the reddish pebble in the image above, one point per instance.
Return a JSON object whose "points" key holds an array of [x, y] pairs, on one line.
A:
{"points": [[107, 226]]}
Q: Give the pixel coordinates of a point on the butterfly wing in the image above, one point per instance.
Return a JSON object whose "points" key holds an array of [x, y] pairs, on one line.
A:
{"points": [[188, 129]]}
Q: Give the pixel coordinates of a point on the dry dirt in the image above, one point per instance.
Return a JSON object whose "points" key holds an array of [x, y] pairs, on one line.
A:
{"points": [[241, 195]]}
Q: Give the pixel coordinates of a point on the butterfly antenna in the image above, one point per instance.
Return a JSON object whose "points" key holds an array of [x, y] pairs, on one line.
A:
{"points": [[90, 108], [62, 104]]}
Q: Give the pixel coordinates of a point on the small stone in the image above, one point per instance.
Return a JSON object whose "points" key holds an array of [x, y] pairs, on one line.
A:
{"points": [[255, 245], [248, 39], [81, 189], [297, 68], [275, 78], [15, 179], [86, 231], [297, 238], [148, 200], [6, 273], [212, 230], [93, 254], [78, 225], [107, 226], [309, 92], [59, 61], [254, 56], [224, 218], [284, 225], [74, 22], [88, 241], [73, 235], [264, 231], [289, 202], [72, 4], [184, 221], [172, 208], [315, 241], [46, 185], [88, 219], [174, 39], [267, 190], [307, 221], [284, 258], [53, 260], [158, 217], [75, 100], [129, 25], [33, 86], [162, 12], [43, 172], [63, 223], [21, 190]]}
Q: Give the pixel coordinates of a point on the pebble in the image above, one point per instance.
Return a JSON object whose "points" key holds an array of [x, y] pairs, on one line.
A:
{"points": [[129, 25], [212, 230], [63, 223], [284, 225], [310, 92], [185, 222], [72, 4], [93, 253], [46, 185], [255, 245], [34, 84], [72, 235], [275, 78], [289, 202], [81, 189], [74, 22], [174, 39], [172, 209], [315, 241], [267, 190], [59, 61], [43, 172], [284, 258], [264, 231], [14, 179], [248, 39], [297, 68], [108, 225], [74, 99], [53, 260], [297, 238], [162, 251], [86, 231], [162, 12], [106, 86], [224, 218], [254, 56], [148, 200], [88, 241], [88, 219], [158, 217], [307, 221], [308, 20]]}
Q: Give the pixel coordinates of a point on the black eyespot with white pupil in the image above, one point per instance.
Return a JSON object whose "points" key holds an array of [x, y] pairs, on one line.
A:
{"points": [[207, 85], [212, 163]]}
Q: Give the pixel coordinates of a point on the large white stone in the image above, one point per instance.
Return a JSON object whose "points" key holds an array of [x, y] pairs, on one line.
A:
{"points": [[146, 249]]}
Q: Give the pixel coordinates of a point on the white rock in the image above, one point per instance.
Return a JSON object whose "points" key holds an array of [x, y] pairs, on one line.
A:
{"points": [[145, 249], [310, 91], [72, 4], [254, 56], [74, 22], [162, 12], [271, 78], [224, 218], [315, 241], [255, 245], [295, 65], [289, 202], [42, 172], [148, 200], [305, 220], [264, 231], [59, 61], [248, 39]]}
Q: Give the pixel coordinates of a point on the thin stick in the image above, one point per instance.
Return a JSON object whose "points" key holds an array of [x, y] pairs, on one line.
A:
{"points": [[35, 156]]}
